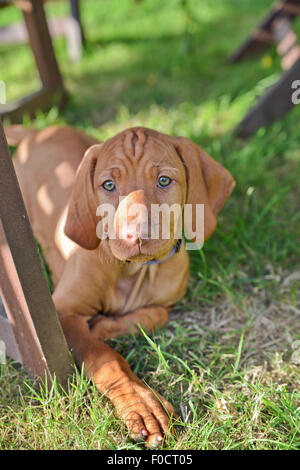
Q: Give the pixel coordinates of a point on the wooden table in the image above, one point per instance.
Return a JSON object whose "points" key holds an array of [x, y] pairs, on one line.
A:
{"points": [[276, 28], [52, 91]]}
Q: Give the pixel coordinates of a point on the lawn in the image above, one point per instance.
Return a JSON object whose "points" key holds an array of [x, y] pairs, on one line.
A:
{"points": [[229, 358]]}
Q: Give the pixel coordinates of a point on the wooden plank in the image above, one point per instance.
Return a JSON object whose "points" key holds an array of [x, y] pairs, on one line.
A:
{"points": [[277, 100], [262, 36], [41, 45], [257, 42], [275, 103], [75, 13], [40, 100], [24, 289], [52, 92]]}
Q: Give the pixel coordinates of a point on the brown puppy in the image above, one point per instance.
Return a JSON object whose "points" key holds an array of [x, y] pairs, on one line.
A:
{"points": [[105, 289]]}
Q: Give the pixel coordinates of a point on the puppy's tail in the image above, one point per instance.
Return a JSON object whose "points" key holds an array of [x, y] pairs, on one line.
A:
{"points": [[15, 134]]}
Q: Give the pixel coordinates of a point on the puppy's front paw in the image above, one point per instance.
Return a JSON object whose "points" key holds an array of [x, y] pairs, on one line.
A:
{"points": [[146, 413]]}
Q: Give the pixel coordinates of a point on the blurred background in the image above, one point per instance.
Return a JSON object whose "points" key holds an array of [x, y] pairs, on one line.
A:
{"points": [[157, 63]]}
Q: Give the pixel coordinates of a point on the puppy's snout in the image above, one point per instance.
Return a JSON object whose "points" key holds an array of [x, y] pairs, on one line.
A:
{"points": [[132, 219], [134, 233]]}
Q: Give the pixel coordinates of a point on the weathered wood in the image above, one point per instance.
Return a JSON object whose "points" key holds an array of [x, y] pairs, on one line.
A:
{"points": [[274, 104], [39, 100], [41, 45], [24, 289], [277, 100], [52, 92], [261, 38]]}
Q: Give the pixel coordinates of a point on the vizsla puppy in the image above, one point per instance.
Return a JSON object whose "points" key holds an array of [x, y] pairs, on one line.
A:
{"points": [[105, 288]]}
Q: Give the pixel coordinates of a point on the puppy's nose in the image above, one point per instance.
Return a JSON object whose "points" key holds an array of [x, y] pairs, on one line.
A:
{"points": [[134, 234]]}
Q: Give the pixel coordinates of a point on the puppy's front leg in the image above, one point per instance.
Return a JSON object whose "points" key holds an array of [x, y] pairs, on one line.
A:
{"points": [[146, 413], [149, 318]]}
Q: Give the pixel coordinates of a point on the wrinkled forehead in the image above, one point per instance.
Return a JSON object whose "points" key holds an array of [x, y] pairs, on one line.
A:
{"points": [[139, 144]]}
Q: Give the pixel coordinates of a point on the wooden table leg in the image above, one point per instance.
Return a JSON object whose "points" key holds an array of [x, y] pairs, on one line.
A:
{"points": [[24, 290], [52, 92], [41, 45], [75, 13]]}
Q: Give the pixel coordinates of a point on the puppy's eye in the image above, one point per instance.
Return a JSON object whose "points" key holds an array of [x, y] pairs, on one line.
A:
{"points": [[164, 181], [109, 185]]}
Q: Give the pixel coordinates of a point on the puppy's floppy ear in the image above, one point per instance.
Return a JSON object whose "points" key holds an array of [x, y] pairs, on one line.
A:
{"points": [[81, 219], [208, 183]]}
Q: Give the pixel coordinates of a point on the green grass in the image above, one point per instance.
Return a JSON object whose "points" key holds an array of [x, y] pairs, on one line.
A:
{"points": [[226, 360]]}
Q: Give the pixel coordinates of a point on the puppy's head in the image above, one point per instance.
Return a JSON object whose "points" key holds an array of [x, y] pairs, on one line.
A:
{"points": [[140, 174]]}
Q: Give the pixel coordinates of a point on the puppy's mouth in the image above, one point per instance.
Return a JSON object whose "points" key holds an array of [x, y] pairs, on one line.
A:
{"points": [[141, 252]]}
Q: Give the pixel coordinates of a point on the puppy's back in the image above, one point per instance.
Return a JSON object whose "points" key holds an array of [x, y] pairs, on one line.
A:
{"points": [[45, 163]]}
